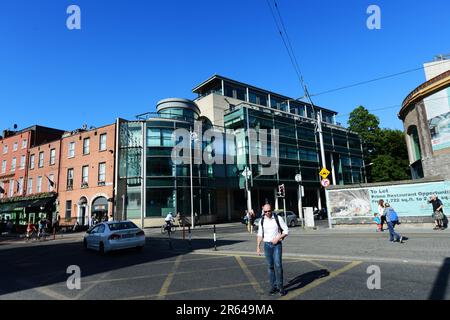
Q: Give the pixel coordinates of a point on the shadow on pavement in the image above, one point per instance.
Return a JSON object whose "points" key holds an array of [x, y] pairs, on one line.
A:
{"points": [[441, 283], [44, 264], [305, 279]]}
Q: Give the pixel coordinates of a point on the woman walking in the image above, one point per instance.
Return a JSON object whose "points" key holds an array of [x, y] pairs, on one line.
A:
{"points": [[392, 221], [381, 213]]}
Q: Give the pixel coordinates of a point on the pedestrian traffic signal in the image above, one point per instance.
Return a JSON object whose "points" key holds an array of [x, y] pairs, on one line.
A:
{"points": [[281, 191]]}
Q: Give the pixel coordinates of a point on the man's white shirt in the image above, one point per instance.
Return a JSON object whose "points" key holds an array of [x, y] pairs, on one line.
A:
{"points": [[271, 228]]}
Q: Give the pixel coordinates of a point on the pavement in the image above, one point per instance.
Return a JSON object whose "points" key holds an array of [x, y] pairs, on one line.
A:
{"points": [[318, 264]]}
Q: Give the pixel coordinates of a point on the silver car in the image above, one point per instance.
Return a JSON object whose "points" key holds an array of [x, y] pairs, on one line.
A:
{"points": [[114, 235], [292, 219]]}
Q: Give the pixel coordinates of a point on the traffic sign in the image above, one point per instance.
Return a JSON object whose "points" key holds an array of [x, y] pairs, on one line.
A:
{"points": [[324, 173], [298, 178], [247, 173], [281, 191], [325, 183]]}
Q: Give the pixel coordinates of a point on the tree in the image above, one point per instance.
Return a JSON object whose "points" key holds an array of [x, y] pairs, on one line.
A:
{"points": [[385, 148], [387, 168], [367, 126]]}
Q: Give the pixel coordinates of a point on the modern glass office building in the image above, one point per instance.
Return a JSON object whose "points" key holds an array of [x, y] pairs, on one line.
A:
{"points": [[149, 182]]}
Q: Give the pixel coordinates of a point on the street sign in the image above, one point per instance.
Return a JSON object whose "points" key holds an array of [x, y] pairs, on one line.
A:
{"points": [[247, 173], [298, 178], [325, 183], [324, 173]]}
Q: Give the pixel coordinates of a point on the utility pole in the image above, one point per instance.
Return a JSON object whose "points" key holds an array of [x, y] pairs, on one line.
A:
{"points": [[322, 154], [191, 138], [298, 178], [247, 173]]}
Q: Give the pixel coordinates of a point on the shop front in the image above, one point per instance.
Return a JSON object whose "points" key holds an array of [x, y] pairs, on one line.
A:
{"points": [[27, 209]]}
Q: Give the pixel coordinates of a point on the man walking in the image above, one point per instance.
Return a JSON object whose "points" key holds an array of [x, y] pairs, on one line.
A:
{"points": [[272, 230], [438, 212]]}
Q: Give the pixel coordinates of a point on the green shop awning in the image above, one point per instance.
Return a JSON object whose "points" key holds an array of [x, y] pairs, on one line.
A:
{"points": [[11, 207], [35, 205], [39, 205]]}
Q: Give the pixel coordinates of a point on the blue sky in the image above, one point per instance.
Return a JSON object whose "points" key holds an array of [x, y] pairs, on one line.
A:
{"points": [[130, 54]]}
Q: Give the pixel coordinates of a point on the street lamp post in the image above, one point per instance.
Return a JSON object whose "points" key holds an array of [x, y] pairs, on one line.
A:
{"points": [[192, 137], [365, 166], [247, 173], [298, 178]]}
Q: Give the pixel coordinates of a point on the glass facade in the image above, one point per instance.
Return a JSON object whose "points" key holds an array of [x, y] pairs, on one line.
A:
{"points": [[299, 152], [153, 184]]}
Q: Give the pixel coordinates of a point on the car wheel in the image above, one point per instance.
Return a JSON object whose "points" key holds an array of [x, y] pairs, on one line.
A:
{"points": [[85, 245], [293, 224], [101, 248], [140, 248]]}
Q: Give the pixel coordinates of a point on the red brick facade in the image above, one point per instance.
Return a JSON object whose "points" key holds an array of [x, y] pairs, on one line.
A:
{"points": [[86, 179], [13, 164]]}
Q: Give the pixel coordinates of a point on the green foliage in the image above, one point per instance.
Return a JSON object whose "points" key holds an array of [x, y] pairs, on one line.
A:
{"points": [[367, 126], [387, 168], [385, 148]]}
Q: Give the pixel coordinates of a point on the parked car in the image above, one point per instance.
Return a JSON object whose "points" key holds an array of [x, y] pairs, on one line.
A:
{"points": [[114, 235], [292, 219]]}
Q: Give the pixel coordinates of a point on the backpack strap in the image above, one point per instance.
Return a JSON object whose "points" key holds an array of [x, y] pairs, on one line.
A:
{"points": [[277, 221]]}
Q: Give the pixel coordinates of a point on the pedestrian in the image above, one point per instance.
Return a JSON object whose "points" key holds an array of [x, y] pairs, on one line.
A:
{"points": [[251, 220], [30, 229], [381, 213], [377, 220], [179, 219], [248, 218], [438, 212], [272, 232], [197, 219], [2, 226], [245, 218], [9, 225], [40, 227], [392, 221]]}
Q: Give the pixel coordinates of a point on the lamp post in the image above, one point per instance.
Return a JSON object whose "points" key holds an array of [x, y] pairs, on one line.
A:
{"points": [[192, 137], [298, 178], [366, 166], [247, 173]]}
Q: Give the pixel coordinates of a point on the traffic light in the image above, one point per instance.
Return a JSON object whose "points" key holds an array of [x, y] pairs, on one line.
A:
{"points": [[281, 191]]}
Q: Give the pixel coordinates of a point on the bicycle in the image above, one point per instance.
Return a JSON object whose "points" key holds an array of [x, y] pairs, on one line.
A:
{"points": [[33, 235], [164, 228]]}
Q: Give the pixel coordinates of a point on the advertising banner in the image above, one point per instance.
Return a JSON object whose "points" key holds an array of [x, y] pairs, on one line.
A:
{"points": [[438, 114], [407, 200]]}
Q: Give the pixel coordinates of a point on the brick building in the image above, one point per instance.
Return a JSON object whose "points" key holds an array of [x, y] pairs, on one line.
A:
{"points": [[16, 203], [86, 177]]}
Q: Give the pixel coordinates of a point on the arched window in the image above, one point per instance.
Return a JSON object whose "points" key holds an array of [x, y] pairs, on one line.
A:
{"points": [[413, 136]]}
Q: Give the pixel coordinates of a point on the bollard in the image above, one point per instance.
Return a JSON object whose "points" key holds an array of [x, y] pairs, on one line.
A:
{"points": [[183, 233], [190, 236], [215, 245], [54, 233]]}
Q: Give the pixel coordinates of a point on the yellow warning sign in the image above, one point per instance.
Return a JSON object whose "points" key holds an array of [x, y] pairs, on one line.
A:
{"points": [[324, 173]]}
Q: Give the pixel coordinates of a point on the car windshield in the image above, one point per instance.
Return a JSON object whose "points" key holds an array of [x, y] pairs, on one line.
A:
{"points": [[121, 226]]}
